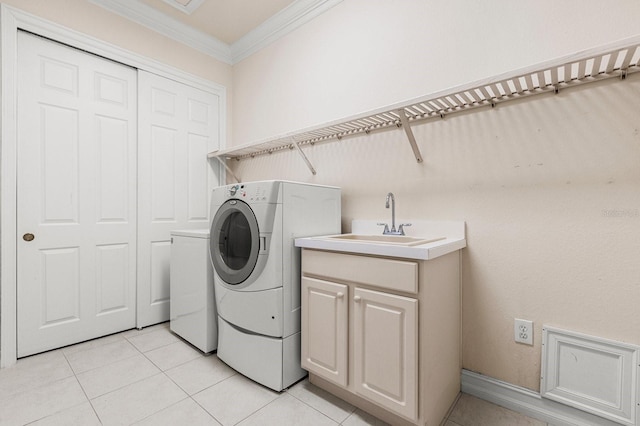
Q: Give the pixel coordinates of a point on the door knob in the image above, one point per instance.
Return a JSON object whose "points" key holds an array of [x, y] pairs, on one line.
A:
{"points": [[28, 237], [357, 299]]}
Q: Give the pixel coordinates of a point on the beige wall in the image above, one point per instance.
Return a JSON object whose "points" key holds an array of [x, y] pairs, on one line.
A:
{"points": [[363, 54], [92, 20], [549, 190], [548, 187]]}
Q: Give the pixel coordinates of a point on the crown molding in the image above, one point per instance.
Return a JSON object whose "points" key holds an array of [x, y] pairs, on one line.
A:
{"points": [[153, 19], [282, 23], [188, 9], [293, 16]]}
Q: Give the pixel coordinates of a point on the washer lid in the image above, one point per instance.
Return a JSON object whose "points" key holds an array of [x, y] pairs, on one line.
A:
{"points": [[196, 233]]}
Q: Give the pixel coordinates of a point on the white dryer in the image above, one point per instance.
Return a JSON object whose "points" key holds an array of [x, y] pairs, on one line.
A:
{"points": [[192, 306], [257, 272]]}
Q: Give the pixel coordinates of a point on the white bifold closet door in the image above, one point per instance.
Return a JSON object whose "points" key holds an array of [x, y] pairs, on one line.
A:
{"points": [[110, 160], [76, 196], [178, 126]]}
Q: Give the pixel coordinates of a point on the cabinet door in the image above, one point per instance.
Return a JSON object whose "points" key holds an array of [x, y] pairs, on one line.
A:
{"points": [[386, 351], [324, 329]]}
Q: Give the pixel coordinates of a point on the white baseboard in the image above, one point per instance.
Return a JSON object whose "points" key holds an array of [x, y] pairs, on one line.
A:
{"points": [[527, 402]]}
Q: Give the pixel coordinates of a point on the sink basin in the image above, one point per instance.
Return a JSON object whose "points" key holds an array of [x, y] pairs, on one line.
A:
{"points": [[402, 240], [428, 240]]}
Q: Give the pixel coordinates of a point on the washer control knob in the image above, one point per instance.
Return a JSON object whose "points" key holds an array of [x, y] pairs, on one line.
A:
{"points": [[233, 189]]}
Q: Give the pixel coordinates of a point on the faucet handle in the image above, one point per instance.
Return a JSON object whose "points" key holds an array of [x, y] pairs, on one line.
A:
{"points": [[401, 227], [386, 227]]}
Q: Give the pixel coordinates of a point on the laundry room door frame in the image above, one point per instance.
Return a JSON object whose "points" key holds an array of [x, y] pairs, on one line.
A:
{"points": [[11, 21]]}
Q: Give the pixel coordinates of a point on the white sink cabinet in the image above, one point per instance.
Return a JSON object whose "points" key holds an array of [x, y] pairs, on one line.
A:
{"points": [[383, 333]]}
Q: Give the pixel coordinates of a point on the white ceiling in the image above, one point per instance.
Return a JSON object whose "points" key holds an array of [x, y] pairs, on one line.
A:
{"points": [[229, 30], [226, 20]]}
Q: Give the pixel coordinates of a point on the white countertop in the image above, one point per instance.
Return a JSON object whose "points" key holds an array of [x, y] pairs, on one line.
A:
{"points": [[452, 234]]}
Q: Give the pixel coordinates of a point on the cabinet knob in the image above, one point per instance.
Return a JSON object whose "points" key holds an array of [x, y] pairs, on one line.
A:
{"points": [[340, 295], [357, 299]]}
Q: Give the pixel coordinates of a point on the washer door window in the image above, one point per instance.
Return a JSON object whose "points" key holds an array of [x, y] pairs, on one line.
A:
{"points": [[234, 241]]}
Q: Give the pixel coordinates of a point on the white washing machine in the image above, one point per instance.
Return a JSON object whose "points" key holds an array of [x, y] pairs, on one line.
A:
{"points": [[192, 308], [257, 272]]}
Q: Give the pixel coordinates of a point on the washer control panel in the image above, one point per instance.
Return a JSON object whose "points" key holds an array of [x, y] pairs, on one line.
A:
{"points": [[254, 192], [233, 190]]}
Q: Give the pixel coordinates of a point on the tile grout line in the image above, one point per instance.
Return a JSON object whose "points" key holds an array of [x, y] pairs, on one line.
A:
{"points": [[188, 396], [200, 405], [165, 408], [152, 349], [174, 366], [100, 347], [450, 411], [191, 396], [124, 338], [312, 407], [257, 410], [75, 376], [136, 382]]}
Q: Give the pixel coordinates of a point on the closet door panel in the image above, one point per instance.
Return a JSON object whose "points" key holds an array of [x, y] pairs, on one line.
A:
{"points": [[76, 204], [178, 127]]}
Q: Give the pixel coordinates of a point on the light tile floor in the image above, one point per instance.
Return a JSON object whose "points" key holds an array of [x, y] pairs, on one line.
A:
{"points": [[152, 377]]}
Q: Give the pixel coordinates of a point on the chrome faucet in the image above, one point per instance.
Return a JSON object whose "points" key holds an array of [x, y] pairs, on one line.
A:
{"points": [[393, 210], [393, 230]]}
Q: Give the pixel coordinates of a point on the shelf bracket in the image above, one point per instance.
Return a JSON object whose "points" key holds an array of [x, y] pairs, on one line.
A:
{"points": [[224, 164], [304, 157], [407, 129]]}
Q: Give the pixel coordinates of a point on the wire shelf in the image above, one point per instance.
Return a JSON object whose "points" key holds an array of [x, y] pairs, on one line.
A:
{"points": [[612, 61]]}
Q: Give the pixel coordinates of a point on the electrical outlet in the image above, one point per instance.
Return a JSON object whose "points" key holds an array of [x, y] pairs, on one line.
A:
{"points": [[523, 331]]}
